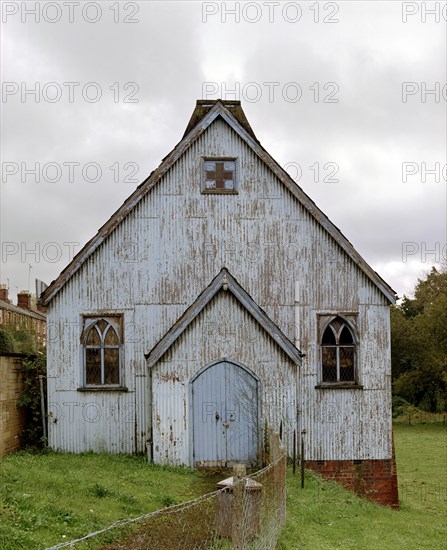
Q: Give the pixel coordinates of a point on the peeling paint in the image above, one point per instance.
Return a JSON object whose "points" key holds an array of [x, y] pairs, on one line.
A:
{"points": [[176, 240]]}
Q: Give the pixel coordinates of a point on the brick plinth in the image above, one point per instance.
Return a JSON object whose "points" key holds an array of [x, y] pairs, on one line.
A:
{"points": [[374, 479]]}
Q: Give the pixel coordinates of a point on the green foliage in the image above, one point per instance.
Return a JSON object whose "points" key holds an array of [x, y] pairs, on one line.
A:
{"points": [[400, 406], [405, 412], [419, 344], [33, 367], [98, 490], [428, 290], [21, 341], [26, 342], [17, 341], [8, 343], [167, 501]]}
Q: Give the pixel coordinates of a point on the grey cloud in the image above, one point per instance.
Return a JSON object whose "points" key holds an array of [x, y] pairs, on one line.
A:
{"points": [[170, 53]]}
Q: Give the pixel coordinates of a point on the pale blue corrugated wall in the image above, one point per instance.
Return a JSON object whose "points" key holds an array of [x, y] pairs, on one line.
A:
{"points": [[163, 255]]}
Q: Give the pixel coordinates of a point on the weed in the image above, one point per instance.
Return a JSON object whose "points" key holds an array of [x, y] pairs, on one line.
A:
{"points": [[100, 491], [168, 501]]}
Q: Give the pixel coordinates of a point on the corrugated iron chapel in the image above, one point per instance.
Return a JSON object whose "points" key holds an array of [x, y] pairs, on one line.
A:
{"points": [[218, 300]]}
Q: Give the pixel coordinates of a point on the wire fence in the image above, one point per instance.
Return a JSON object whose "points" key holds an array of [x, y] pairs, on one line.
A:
{"points": [[421, 417], [246, 512]]}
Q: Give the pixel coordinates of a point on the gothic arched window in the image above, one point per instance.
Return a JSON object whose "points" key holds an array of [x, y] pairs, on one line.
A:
{"points": [[338, 352], [102, 350]]}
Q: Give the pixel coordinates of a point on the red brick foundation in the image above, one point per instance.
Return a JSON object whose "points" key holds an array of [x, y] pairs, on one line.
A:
{"points": [[374, 479]]}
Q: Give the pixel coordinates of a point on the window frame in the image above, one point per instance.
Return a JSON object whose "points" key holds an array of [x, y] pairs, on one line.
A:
{"points": [[207, 191], [350, 321], [90, 322]]}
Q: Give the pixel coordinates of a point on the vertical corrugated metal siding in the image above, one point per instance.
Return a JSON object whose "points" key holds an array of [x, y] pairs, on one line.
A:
{"points": [[156, 262], [224, 329]]}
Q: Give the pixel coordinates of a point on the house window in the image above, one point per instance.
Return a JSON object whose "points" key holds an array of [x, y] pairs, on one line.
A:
{"points": [[338, 353], [219, 176], [102, 340]]}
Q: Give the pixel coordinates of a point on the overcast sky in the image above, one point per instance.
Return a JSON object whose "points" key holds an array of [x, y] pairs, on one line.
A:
{"points": [[349, 96]]}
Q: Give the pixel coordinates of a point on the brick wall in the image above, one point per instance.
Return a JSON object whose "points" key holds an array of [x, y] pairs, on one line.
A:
{"points": [[374, 479], [12, 418]]}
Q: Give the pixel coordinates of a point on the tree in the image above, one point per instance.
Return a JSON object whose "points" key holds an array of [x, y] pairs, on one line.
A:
{"points": [[419, 343]]}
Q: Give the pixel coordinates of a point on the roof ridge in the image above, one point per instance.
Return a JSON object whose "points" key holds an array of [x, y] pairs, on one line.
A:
{"points": [[204, 106]]}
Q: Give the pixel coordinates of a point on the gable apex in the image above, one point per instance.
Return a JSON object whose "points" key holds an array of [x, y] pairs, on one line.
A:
{"points": [[204, 106], [225, 282], [206, 112]]}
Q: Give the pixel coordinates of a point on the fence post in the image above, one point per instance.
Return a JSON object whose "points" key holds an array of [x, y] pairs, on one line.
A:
{"points": [[302, 458], [281, 481], [275, 444], [294, 451], [42, 410], [237, 527]]}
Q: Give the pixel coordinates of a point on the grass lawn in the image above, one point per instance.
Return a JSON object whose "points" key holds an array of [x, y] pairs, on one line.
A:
{"points": [[324, 516], [51, 498]]}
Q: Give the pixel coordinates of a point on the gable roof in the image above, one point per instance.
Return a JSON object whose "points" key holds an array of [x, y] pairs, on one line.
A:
{"points": [[203, 118], [224, 281]]}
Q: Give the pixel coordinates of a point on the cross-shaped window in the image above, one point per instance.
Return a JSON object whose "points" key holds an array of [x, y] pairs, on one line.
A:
{"points": [[219, 176]]}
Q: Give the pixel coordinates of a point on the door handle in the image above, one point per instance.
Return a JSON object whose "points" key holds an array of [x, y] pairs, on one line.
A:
{"points": [[225, 424]]}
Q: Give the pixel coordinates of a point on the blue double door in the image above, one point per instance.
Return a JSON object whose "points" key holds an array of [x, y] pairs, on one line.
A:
{"points": [[225, 415]]}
